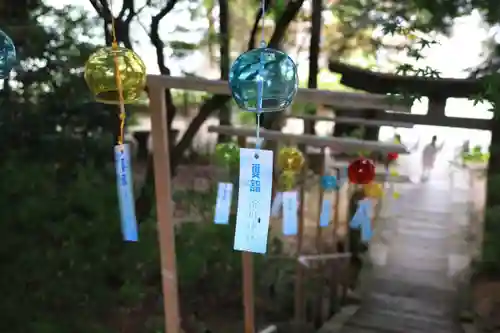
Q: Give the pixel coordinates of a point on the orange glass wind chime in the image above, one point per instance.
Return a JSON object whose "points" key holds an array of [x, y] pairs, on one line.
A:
{"points": [[117, 76]]}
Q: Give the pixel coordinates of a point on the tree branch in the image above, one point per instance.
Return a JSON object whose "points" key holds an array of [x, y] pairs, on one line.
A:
{"points": [[284, 21], [154, 35], [217, 101], [159, 45], [145, 200], [122, 27], [253, 33], [97, 8]]}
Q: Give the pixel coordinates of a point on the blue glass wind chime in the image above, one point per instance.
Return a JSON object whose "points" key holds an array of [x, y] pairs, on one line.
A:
{"points": [[7, 55], [260, 80]]}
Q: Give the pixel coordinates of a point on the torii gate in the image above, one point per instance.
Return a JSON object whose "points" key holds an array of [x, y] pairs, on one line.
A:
{"points": [[438, 90]]}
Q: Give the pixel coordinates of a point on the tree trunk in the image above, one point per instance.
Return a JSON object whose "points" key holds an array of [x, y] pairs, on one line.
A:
{"points": [[224, 38], [491, 244], [314, 50]]}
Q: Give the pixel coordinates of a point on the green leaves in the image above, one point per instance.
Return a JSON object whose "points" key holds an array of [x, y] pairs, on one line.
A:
{"points": [[62, 248], [182, 49]]}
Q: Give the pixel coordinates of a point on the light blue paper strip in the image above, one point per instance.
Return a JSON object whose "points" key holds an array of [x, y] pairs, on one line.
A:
{"points": [[326, 211], [254, 200], [290, 218], [223, 203], [362, 220], [362, 213], [126, 193], [366, 230], [277, 204]]}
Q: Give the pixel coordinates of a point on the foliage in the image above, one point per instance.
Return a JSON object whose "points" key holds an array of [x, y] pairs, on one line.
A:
{"points": [[88, 272], [476, 155], [66, 268], [69, 255]]}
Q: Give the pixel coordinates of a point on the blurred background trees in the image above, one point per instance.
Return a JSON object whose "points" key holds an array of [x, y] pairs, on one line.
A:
{"points": [[64, 266]]}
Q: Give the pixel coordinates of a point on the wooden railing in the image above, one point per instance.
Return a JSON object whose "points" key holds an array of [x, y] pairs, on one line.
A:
{"points": [[157, 85], [311, 262], [352, 121]]}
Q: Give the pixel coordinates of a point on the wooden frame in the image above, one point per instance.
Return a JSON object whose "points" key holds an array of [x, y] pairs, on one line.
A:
{"points": [[352, 120], [161, 158], [335, 144], [344, 100], [164, 208], [339, 144]]}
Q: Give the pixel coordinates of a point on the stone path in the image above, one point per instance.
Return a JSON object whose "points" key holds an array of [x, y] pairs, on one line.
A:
{"points": [[417, 259]]}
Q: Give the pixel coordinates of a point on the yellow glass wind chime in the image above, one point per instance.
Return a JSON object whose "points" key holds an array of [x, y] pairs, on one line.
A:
{"points": [[116, 75], [261, 80]]}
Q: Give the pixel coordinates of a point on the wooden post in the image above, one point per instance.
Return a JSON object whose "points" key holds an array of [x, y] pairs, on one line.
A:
{"points": [[335, 274], [164, 208], [318, 302], [319, 231], [248, 278], [336, 213], [248, 292], [300, 273]]}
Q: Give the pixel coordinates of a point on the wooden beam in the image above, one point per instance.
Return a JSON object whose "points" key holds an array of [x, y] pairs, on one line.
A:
{"points": [[353, 121], [384, 83], [428, 119], [338, 99], [166, 233], [335, 144]]}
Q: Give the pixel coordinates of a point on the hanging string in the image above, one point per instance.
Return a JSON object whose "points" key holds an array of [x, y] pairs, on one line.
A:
{"points": [[262, 36], [260, 83], [114, 45]]}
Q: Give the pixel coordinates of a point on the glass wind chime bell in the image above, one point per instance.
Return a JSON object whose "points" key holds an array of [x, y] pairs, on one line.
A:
{"points": [[291, 162], [361, 171], [263, 80], [7, 55], [100, 75]]}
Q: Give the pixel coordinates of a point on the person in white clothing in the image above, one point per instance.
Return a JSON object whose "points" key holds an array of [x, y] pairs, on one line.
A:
{"points": [[429, 157]]}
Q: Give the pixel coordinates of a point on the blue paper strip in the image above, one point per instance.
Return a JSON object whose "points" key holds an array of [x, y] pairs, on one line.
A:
{"points": [[254, 200], [362, 219], [366, 230], [326, 210], [126, 193], [290, 218], [223, 203]]}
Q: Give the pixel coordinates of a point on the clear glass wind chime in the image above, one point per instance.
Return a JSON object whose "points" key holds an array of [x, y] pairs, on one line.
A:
{"points": [[116, 75], [261, 80]]}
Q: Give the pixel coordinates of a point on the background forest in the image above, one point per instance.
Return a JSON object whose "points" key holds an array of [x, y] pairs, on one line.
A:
{"points": [[64, 265]]}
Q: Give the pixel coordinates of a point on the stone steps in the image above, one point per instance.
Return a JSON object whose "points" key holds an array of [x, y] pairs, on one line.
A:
{"points": [[410, 291]]}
